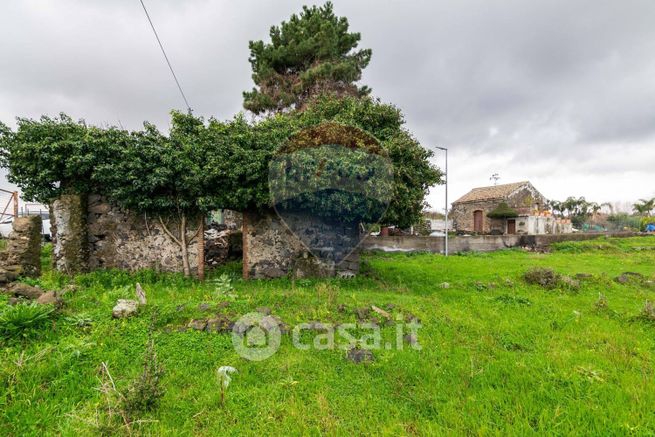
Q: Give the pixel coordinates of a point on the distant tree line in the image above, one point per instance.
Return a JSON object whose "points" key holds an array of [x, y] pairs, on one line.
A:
{"points": [[581, 211]]}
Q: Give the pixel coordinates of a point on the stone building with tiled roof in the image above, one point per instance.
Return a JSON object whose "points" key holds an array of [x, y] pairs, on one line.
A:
{"points": [[525, 211]]}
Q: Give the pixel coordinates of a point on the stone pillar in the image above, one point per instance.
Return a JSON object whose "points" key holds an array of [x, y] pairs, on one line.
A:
{"points": [[69, 234], [22, 257]]}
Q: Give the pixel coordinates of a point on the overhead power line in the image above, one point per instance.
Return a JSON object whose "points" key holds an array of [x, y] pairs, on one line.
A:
{"points": [[161, 46]]}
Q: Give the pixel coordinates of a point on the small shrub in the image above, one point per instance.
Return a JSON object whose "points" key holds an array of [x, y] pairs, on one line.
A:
{"points": [[569, 283], [223, 287], [601, 304], [543, 277], [24, 319], [146, 391], [513, 300]]}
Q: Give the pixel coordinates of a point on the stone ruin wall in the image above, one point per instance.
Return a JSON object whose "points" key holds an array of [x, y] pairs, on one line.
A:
{"points": [[89, 233], [22, 256], [271, 250]]}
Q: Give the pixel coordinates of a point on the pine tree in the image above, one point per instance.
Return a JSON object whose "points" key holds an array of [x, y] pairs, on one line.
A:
{"points": [[312, 53]]}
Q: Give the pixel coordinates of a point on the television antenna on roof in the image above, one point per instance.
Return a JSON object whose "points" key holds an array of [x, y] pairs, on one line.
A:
{"points": [[494, 177]]}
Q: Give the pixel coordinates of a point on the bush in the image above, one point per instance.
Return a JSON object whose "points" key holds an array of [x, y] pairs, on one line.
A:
{"points": [[503, 211], [146, 391], [545, 278], [24, 319]]}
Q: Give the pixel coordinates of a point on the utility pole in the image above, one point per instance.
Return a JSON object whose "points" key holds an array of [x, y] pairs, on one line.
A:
{"points": [[446, 217]]}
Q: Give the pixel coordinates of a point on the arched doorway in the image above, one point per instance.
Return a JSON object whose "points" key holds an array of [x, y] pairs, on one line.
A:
{"points": [[478, 223]]}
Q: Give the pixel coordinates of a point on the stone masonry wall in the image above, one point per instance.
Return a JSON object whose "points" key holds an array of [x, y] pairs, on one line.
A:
{"points": [[271, 250], [22, 256], [90, 234], [125, 240], [462, 215]]}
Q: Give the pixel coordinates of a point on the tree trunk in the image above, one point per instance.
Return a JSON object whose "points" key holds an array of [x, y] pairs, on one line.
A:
{"points": [[185, 249], [201, 248], [183, 243]]}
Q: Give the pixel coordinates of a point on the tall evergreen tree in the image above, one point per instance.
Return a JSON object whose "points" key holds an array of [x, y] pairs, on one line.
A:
{"points": [[311, 54]]}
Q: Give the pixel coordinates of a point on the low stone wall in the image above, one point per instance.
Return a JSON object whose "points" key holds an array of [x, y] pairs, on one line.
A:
{"points": [[481, 243], [271, 250], [22, 256], [89, 233]]}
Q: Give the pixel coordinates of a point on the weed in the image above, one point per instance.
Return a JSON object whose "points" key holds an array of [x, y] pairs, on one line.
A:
{"points": [[223, 288], [601, 304], [81, 320], [146, 391], [224, 380], [24, 319], [590, 374], [327, 292], [513, 300]]}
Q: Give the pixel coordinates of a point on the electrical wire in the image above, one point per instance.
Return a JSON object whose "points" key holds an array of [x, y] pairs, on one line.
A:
{"points": [[161, 46]]}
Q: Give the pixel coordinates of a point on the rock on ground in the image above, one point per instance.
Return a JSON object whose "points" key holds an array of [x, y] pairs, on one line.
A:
{"points": [[125, 308], [360, 355], [140, 294], [49, 298], [19, 289], [411, 339]]}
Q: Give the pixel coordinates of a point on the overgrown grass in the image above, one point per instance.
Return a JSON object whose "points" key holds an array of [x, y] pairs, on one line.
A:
{"points": [[499, 356], [606, 244]]}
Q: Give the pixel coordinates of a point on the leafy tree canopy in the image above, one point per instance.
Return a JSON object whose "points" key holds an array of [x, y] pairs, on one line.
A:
{"points": [[310, 54], [202, 165], [644, 206], [412, 172], [51, 156]]}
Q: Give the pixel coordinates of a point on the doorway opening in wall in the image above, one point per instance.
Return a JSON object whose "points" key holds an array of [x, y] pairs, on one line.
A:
{"points": [[477, 221], [511, 226]]}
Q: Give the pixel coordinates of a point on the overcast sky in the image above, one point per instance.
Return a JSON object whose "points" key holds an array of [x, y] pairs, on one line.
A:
{"points": [[561, 93]]}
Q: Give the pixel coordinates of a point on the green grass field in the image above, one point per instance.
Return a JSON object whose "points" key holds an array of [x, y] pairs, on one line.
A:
{"points": [[498, 356]]}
